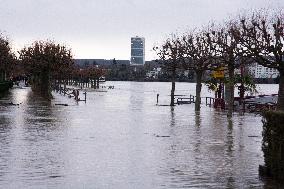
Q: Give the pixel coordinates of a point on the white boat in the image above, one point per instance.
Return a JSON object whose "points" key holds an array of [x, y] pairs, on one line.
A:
{"points": [[102, 79]]}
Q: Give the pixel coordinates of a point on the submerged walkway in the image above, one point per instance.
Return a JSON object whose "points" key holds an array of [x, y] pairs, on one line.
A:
{"points": [[120, 138]]}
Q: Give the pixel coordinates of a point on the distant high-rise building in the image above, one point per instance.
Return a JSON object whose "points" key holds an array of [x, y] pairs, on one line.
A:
{"points": [[137, 51]]}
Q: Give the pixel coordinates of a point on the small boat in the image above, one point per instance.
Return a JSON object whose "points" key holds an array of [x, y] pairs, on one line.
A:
{"points": [[102, 79]]}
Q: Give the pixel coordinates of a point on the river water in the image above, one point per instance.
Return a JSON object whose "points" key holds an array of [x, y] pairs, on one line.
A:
{"points": [[121, 139]]}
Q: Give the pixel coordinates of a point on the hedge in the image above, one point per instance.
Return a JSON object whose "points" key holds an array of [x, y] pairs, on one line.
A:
{"points": [[273, 145], [5, 85]]}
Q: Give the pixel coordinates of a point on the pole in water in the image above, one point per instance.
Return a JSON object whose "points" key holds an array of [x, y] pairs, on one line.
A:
{"points": [[77, 95], [85, 93], [157, 99]]}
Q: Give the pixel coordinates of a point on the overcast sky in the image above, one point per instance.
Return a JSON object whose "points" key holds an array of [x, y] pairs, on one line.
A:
{"points": [[103, 28]]}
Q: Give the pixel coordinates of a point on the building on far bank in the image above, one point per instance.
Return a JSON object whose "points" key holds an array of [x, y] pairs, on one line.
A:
{"points": [[137, 51], [154, 73], [99, 62], [259, 71]]}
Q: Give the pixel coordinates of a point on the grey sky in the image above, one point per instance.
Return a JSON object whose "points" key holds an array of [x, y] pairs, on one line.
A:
{"points": [[102, 28]]}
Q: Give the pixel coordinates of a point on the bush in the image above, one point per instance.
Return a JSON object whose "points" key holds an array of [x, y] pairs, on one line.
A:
{"points": [[273, 144], [5, 86]]}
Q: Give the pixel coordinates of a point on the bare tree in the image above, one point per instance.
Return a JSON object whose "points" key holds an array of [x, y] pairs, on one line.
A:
{"points": [[225, 42], [262, 37], [198, 56], [170, 53]]}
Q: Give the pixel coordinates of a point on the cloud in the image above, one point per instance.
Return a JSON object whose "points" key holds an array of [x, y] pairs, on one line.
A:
{"points": [[103, 24]]}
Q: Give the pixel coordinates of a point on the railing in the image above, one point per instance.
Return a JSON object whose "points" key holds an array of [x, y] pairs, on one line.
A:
{"points": [[209, 101], [186, 100], [70, 92]]}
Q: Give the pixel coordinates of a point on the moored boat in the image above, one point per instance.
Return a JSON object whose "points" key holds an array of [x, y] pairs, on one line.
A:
{"points": [[102, 79]]}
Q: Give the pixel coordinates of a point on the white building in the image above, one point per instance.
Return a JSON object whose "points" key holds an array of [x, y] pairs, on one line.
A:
{"points": [[137, 51], [154, 73], [259, 71]]}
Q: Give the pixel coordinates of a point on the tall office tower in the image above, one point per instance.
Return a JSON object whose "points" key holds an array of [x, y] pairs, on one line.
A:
{"points": [[137, 51]]}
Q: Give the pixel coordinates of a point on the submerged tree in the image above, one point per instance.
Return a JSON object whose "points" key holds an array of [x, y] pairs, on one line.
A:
{"points": [[94, 73], [171, 53], [43, 60], [263, 38], [198, 56], [226, 44], [7, 58]]}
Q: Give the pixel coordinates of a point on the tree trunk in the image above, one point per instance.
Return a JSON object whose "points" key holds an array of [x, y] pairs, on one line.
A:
{"points": [[65, 81], [230, 98], [198, 89], [1, 75], [45, 88], [280, 102], [173, 88], [98, 83]]}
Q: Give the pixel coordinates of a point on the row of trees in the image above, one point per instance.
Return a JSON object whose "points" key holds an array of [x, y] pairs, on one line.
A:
{"points": [[7, 58], [255, 38], [42, 63]]}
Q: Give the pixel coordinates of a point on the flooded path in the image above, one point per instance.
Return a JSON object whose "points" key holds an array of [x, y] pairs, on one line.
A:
{"points": [[121, 139]]}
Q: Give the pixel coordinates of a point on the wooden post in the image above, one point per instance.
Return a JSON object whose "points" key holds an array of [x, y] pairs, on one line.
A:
{"points": [[98, 83], [65, 87], [157, 99], [59, 86], [76, 95], [206, 101]]}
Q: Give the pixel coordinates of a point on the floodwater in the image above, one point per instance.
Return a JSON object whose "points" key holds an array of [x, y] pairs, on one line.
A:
{"points": [[121, 139]]}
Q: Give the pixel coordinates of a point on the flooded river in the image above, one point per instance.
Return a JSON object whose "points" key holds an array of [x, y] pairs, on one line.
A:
{"points": [[121, 139]]}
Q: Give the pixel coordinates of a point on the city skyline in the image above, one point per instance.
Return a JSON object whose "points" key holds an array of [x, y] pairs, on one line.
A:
{"points": [[102, 29]]}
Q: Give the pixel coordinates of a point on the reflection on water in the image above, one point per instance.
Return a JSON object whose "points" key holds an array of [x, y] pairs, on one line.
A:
{"points": [[120, 139]]}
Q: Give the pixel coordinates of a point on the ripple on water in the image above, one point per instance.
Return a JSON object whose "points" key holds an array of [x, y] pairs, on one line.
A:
{"points": [[121, 139]]}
